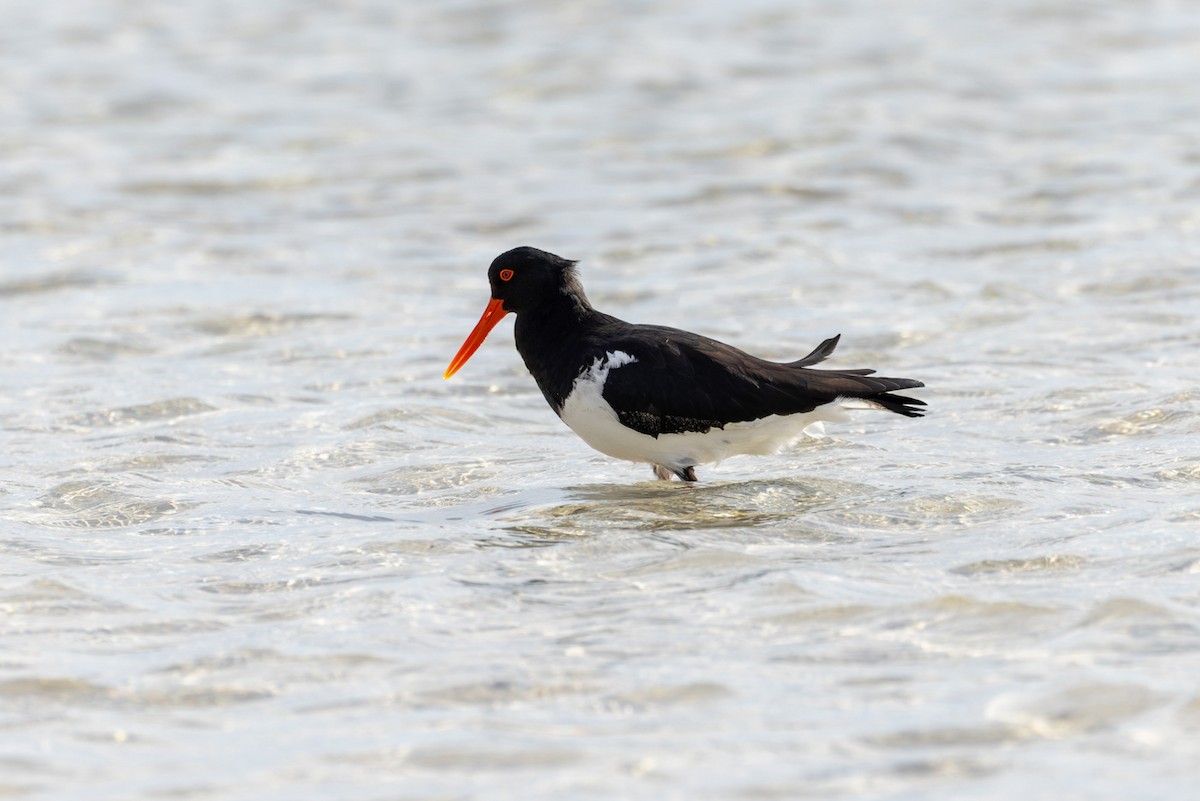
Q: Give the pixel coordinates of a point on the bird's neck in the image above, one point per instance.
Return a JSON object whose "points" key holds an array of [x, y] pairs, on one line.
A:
{"points": [[549, 340]]}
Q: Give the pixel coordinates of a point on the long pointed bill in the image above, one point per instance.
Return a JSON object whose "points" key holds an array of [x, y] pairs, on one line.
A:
{"points": [[493, 314]]}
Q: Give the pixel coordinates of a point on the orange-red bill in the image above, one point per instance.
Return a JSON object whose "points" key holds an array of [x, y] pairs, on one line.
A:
{"points": [[493, 314]]}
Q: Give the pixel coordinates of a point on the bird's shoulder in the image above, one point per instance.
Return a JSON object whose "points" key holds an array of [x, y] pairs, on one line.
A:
{"points": [[675, 381], [660, 346]]}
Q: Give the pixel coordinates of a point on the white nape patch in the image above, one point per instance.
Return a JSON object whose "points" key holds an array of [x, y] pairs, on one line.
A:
{"points": [[596, 423]]}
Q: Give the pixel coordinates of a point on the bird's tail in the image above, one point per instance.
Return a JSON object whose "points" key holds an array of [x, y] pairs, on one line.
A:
{"points": [[900, 404], [820, 353], [861, 385]]}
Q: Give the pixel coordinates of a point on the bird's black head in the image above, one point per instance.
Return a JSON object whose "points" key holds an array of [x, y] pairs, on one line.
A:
{"points": [[525, 278]]}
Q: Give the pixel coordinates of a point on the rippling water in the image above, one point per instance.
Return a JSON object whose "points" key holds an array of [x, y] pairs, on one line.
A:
{"points": [[253, 545]]}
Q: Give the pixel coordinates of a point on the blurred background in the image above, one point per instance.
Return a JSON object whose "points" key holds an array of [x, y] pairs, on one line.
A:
{"points": [[253, 546]]}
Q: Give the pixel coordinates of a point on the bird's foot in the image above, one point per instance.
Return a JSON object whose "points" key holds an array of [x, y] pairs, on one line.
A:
{"points": [[665, 473]]}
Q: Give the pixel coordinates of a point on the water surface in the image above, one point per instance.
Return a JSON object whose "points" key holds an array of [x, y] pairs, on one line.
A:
{"points": [[253, 545]]}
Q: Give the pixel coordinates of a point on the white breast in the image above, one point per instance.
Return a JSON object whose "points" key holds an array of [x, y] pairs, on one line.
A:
{"points": [[596, 423]]}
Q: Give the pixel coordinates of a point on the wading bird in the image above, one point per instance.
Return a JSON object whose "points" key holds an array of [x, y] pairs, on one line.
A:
{"points": [[667, 397]]}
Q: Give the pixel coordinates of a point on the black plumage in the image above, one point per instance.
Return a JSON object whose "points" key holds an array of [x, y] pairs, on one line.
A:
{"points": [[676, 381]]}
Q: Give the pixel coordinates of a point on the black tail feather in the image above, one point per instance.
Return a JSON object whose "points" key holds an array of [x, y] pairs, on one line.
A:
{"points": [[875, 390], [820, 353], [900, 404], [858, 385], [824, 351]]}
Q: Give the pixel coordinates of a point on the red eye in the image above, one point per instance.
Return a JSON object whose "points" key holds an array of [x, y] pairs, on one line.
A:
{"points": [[506, 275]]}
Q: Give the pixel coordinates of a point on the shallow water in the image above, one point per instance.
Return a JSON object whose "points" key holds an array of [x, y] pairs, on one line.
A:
{"points": [[253, 545]]}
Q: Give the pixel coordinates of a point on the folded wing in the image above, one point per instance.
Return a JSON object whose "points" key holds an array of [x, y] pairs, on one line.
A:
{"points": [[716, 384]]}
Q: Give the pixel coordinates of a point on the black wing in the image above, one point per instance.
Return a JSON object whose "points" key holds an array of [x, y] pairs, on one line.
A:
{"points": [[687, 382]]}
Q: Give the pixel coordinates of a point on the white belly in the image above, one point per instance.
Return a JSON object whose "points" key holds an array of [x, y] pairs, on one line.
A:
{"points": [[596, 423]]}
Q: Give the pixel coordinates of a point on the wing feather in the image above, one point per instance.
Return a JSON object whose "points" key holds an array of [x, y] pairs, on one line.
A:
{"points": [[712, 383]]}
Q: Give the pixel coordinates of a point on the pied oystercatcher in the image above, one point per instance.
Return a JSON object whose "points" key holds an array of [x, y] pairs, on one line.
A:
{"points": [[648, 393]]}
